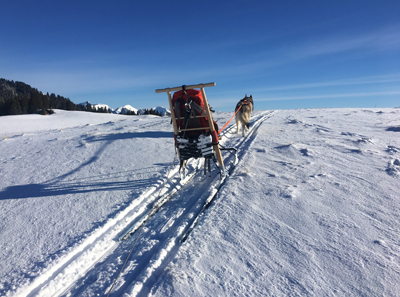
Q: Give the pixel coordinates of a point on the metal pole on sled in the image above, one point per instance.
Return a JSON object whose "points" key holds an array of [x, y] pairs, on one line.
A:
{"points": [[207, 109]]}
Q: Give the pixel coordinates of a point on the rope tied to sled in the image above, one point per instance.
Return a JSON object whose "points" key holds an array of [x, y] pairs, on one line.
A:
{"points": [[230, 119]]}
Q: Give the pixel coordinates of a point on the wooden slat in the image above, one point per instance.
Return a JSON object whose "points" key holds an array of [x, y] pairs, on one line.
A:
{"points": [[194, 129], [208, 112], [187, 87], [192, 117], [172, 114]]}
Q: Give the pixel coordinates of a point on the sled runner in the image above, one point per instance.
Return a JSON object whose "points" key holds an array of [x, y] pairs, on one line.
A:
{"points": [[196, 134]]}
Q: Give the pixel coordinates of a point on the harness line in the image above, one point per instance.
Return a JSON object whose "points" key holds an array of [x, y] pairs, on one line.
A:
{"points": [[230, 120]]}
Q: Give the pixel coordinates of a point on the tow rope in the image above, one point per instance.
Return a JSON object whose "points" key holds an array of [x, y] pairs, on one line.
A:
{"points": [[230, 119]]}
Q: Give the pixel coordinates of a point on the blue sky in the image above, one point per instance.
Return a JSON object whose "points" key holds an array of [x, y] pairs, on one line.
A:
{"points": [[287, 54]]}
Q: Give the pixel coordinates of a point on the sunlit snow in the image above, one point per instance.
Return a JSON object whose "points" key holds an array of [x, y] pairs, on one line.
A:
{"points": [[311, 209]]}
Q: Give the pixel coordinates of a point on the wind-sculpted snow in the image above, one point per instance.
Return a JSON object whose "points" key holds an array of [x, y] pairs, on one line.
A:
{"points": [[311, 209]]}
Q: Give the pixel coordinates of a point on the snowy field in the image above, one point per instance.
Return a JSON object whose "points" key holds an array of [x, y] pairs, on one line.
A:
{"points": [[311, 209]]}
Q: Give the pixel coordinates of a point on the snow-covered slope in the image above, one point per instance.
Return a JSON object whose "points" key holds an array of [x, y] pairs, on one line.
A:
{"points": [[20, 124], [311, 209]]}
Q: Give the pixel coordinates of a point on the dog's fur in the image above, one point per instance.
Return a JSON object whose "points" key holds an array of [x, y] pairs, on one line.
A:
{"points": [[243, 115]]}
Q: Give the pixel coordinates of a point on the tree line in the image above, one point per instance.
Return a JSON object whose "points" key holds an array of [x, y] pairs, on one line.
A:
{"points": [[20, 98], [151, 111]]}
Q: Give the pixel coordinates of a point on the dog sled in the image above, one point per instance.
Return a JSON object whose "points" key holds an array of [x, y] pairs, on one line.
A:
{"points": [[195, 131]]}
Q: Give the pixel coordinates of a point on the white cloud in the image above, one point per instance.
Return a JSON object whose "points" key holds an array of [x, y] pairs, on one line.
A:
{"points": [[327, 96]]}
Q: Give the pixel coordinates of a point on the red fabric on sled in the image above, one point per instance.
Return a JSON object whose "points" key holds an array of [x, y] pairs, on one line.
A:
{"points": [[197, 97]]}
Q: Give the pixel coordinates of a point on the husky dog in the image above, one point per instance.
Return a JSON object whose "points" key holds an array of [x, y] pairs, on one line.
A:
{"points": [[243, 115]]}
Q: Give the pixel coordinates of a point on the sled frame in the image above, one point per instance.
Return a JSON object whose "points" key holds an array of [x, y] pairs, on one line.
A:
{"points": [[216, 147]]}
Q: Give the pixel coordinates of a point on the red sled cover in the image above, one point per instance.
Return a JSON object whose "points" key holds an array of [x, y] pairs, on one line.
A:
{"points": [[179, 100]]}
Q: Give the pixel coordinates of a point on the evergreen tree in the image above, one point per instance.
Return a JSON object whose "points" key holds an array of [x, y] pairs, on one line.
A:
{"points": [[24, 103], [15, 107], [35, 102], [70, 105]]}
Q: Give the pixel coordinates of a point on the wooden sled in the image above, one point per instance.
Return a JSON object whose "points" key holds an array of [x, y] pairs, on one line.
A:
{"points": [[195, 131]]}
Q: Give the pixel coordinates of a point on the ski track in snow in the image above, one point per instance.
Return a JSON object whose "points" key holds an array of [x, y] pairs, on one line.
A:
{"points": [[80, 271]]}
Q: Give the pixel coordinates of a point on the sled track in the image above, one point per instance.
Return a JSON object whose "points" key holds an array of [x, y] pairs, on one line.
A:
{"points": [[90, 268]]}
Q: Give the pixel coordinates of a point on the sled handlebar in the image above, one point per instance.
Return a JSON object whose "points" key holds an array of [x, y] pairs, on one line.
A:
{"points": [[187, 87]]}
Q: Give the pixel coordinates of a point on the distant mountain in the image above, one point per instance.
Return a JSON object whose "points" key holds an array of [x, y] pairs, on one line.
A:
{"points": [[159, 110], [104, 108], [101, 106], [163, 111], [126, 109]]}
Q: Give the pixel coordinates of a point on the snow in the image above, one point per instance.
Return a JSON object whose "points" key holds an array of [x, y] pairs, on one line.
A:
{"points": [[100, 105], [124, 109], [162, 110], [20, 124], [311, 209]]}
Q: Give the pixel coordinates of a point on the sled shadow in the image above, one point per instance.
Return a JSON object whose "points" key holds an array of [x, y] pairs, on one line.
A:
{"points": [[74, 187], [129, 135], [59, 186], [394, 129]]}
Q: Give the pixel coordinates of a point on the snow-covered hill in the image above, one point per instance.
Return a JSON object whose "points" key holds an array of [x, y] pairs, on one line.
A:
{"points": [[311, 209]]}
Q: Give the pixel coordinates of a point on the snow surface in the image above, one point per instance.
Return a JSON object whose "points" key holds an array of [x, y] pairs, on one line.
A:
{"points": [[311, 209]]}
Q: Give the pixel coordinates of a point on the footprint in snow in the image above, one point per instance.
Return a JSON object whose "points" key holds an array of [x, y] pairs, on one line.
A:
{"points": [[356, 151], [394, 168], [392, 149], [394, 129], [260, 150], [288, 193], [305, 152], [380, 242], [294, 121], [364, 140], [348, 134]]}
